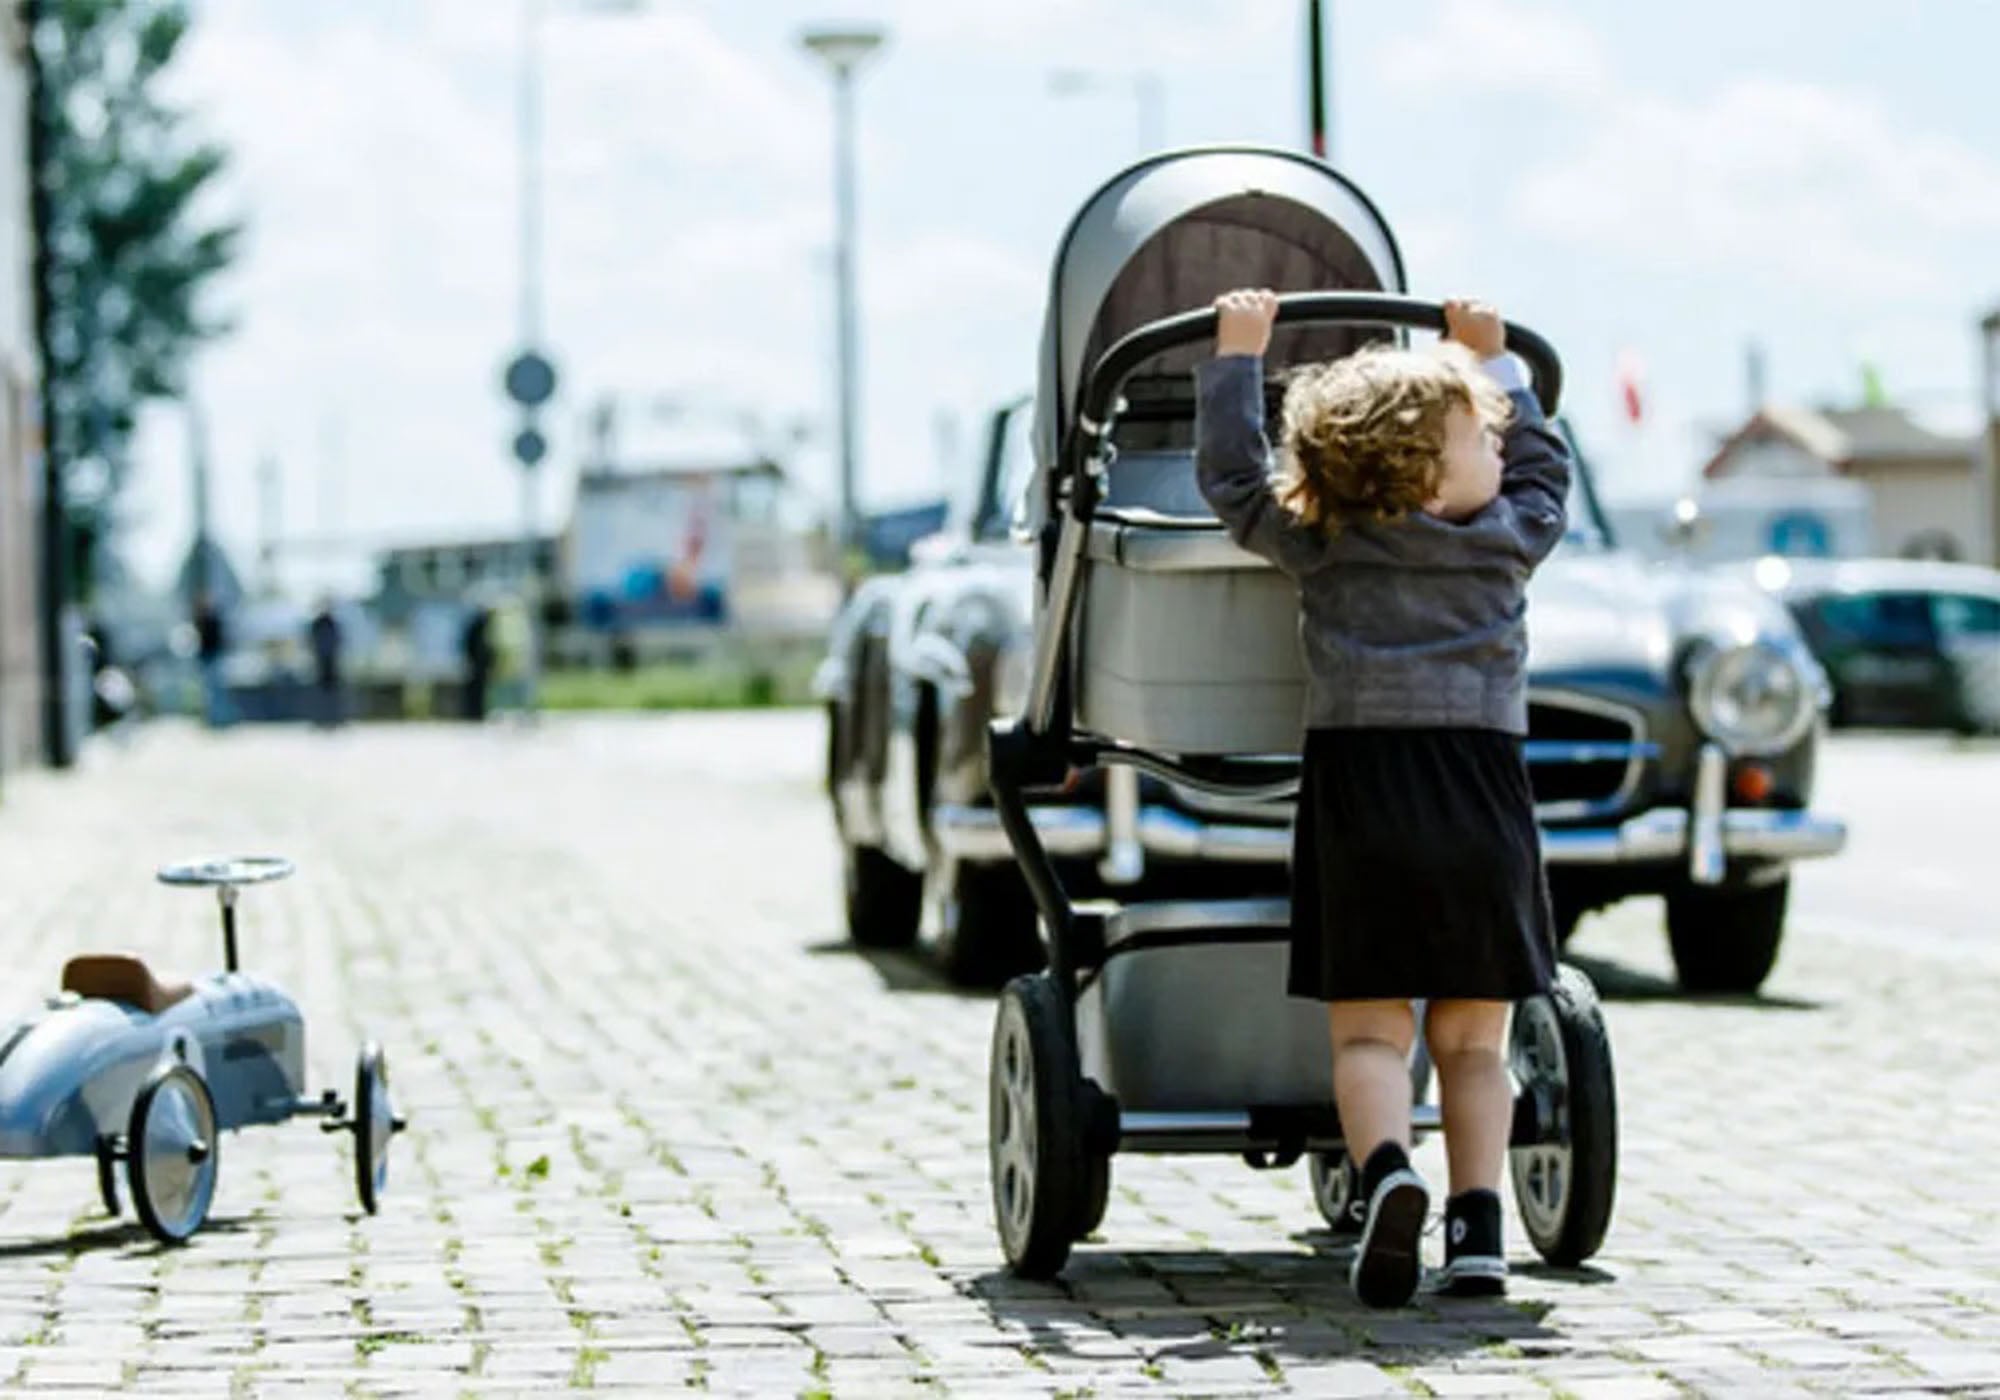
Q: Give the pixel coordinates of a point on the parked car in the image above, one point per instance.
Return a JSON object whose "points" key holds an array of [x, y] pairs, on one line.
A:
{"points": [[1674, 720], [1904, 641]]}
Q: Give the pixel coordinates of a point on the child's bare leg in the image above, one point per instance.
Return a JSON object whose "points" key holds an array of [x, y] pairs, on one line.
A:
{"points": [[1371, 1072], [1477, 1101]]}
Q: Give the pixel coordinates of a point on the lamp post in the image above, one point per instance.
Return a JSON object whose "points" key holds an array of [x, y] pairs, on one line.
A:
{"points": [[1316, 47], [844, 50], [1989, 333], [1148, 94]]}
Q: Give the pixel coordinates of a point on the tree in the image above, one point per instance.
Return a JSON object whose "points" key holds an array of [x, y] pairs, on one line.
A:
{"points": [[128, 248]]}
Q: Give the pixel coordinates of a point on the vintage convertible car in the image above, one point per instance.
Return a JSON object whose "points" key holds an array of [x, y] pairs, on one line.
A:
{"points": [[1674, 716]]}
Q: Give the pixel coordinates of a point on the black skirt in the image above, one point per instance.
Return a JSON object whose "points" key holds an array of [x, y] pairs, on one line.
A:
{"points": [[1417, 868]]}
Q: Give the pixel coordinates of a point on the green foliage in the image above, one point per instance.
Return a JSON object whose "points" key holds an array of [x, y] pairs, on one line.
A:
{"points": [[132, 240]]}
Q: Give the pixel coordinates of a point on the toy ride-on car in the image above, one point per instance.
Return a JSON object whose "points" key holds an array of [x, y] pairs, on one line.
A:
{"points": [[127, 1066]]}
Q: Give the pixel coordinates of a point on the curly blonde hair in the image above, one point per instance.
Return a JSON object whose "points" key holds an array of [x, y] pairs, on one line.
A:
{"points": [[1363, 436]]}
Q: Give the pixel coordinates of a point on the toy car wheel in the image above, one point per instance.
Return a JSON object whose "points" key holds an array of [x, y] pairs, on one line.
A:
{"points": [[107, 1175], [375, 1123], [1035, 1147], [171, 1152], [1336, 1188], [1564, 1181]]}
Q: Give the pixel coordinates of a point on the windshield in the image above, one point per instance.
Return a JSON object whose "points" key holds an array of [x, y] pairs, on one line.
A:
{"points": [[1588, 526], [1005, 474], [1009, 468]]}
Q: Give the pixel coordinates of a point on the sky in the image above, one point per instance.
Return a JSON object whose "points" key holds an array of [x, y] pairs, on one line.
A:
{"points": [[1661, 184]]}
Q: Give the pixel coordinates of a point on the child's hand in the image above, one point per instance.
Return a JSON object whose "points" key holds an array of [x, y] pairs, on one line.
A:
{"points": [[1476, 326], [1243, 321]]}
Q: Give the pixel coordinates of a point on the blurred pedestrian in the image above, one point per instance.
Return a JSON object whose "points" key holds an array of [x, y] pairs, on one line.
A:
{"points": [[211, 645], [329, 703], [511, 640], [476, 646]]}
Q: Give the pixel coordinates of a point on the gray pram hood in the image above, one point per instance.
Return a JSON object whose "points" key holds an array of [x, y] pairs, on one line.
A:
{"points": [[1173, 232]]}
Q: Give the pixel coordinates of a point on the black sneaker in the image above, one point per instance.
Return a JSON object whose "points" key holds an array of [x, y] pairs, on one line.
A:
{"points": [[1388, 1262], [1474, 1266]]}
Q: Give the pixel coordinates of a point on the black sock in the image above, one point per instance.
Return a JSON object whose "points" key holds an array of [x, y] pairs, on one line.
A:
{"points": [[1389, 1157]]}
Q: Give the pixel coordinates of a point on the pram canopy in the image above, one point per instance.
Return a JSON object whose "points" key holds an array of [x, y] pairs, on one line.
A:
{"points": [[1175, 231]]}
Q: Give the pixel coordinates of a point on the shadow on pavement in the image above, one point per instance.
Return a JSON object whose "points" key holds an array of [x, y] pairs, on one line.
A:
{"points": [[1194, 1306], [1619, 983], [121, 1234], [901, 969]]}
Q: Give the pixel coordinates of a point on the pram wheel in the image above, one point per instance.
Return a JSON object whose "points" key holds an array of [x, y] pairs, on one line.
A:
{"points": [[1336, 1188], [1564, 1180], [1096, 1194], [1035, 1131]]}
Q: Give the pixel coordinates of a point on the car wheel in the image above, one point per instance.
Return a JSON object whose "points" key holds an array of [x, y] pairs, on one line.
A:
{"points": [[990, 928], [1727, 940], [884, 901]]}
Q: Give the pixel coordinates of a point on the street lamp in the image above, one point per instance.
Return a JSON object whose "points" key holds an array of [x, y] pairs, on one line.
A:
{"points": [[530, 376], [844, 50], [1147, 92]]}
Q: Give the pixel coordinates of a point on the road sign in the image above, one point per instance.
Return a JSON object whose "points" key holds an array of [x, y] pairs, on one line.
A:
{"points": [[530, 446], [531, 379]]}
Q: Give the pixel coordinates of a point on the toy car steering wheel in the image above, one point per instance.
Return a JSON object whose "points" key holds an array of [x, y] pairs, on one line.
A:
{"points": [[225, 870]]}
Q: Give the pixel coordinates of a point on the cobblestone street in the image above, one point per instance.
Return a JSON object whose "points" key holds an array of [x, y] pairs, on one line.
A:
{"points": [[668, 1131]]}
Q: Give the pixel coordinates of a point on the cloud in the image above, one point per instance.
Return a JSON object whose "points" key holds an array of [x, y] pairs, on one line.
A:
{"points": [[1813, 186], [1478, 47], [1099, 34]]}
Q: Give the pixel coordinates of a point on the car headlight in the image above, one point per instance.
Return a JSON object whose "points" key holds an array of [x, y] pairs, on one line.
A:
{"points": [[1752, 698]]}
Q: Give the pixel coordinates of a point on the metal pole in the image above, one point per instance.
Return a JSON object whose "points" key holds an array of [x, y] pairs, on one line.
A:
{"points": [[58, 747], [531, 319], [1990, 392], [843, 195], [1316, 94]]}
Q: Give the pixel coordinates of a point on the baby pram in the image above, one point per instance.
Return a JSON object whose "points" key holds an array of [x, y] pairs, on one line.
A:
{"points": [[1164, 1027]]}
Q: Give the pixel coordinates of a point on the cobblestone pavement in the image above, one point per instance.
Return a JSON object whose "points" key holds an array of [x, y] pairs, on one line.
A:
{"points": [[669, 1132]]}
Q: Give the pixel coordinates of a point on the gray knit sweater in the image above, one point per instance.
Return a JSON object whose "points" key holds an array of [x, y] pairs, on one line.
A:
{"points": [[1416, 624]]}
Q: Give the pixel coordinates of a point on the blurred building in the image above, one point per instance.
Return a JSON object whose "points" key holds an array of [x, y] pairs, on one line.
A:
{"points": [[1923, 487], [20, 461], [670, 553], [449, 571]]}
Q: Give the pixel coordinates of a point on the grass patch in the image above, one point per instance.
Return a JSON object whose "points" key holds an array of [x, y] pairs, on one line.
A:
{"points": [[718, 684]]}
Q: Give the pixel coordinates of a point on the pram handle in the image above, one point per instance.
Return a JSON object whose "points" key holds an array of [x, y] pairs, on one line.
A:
{"points": [[1107, 377]]}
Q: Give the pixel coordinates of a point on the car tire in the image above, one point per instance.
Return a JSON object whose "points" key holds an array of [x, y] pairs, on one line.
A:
{"points": [[990, 930], [885, 902], [1727, 940]]}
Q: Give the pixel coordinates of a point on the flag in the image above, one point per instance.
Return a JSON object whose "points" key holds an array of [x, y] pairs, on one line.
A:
{"points": [[1630, 375], [1873, 395]]}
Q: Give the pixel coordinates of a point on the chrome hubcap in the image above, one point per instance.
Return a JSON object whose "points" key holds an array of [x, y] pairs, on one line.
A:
{"points": [[176, 1155], [1012, 1131]]}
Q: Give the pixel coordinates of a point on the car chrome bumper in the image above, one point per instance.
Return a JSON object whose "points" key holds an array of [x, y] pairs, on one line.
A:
{"points": [[1665, 834]]}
